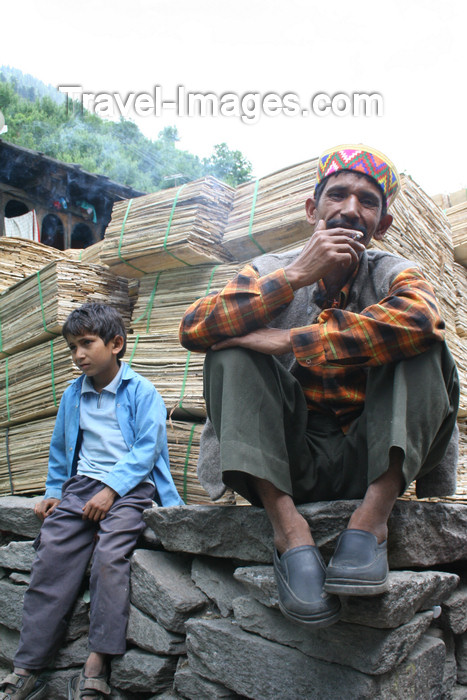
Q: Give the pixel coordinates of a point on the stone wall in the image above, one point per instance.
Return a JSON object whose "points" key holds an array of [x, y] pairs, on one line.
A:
{"points": [[204, 620]]}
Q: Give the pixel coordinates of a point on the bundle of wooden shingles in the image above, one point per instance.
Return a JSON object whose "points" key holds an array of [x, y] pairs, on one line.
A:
{"points": [[183, 243]]}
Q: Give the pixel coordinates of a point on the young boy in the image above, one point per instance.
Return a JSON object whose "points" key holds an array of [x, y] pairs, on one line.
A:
{"points": [[108, 459]]}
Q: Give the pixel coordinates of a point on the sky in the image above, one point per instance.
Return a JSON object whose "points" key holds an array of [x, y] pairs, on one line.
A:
{"points": [[411, 54]]}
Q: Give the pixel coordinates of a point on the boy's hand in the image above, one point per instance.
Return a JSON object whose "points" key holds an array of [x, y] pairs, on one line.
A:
{"points": [[99, 505], [46, 507]]}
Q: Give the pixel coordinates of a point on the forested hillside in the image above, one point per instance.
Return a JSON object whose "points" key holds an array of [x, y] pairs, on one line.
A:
{"points": [[37, 118]]}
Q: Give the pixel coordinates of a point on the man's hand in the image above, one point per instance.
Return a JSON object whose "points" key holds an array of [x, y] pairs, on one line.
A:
{"points": [[270, 341], [327, 251], [99, 505], [46, 507]]}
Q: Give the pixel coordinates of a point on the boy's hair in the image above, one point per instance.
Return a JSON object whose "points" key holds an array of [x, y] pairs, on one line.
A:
{"points": [[97, 319]]}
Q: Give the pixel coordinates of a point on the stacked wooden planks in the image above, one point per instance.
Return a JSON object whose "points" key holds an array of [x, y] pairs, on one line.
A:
{"points": [[20, 258], [35, 309], [268, 214], [179, 227]]}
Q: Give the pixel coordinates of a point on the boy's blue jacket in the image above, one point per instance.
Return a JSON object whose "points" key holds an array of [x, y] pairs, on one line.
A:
{"points": [[141, 415]]}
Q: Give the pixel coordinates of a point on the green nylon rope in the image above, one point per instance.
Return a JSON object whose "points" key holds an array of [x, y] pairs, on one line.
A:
{"points": [[252, 216], [185, 469], [8, 461], [130, 202], [133, 351], [185, 374], [52, 372], [44, 323], [148, 311], [170, 224]]}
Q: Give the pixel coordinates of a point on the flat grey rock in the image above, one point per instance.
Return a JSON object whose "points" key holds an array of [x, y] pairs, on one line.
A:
{"points": [[149, 635], [140, 672], [409, 592], [461, 657], [9, 643], [161, 586], [366, 649], [260, 583], [17, 515], [450, 664], [17, 556], [20, 577], [454, 611], [11, 609], [289, 674], [215, 578], [458, 692], [193, 686], [421, 534]]}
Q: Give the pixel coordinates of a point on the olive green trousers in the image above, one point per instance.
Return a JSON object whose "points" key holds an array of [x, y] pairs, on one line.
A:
{"points": [[259, 413]]}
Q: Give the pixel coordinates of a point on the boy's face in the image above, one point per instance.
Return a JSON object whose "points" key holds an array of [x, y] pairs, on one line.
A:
{"points": [[96, 359]]}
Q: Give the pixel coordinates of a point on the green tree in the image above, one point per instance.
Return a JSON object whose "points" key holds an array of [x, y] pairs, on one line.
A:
{"points": [[230, 166], [119, 150]]}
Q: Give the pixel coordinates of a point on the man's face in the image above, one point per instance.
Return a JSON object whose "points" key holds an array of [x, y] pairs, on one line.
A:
{"points": [[352, 202]]}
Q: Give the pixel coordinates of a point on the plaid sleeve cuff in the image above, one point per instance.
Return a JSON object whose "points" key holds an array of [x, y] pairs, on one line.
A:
{"points": [[307, 345], [275, 290]]}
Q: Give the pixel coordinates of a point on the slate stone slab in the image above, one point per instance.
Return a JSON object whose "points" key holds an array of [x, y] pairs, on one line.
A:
{"points": [[408, 593], [454, 615], [366, 649], [9, 644], [57, 683], [421, 534], [72, 654], [20, 577], [450, 664], [17, 515], [215, 578], [161, 586], [264, 670], [193, 686], [17, 555], [234, 532], [140, 672], [149, 635], [11, 609], [461, 657], [260, 583]]}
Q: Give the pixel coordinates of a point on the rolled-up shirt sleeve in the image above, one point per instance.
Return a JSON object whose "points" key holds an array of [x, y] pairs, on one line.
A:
{"points": [[403, 324], [245, 304]]}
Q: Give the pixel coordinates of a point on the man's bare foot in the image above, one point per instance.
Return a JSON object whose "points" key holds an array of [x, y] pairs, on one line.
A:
{"points": [[295, 534]]}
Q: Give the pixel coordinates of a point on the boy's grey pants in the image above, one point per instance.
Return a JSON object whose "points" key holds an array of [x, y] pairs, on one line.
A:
{"points": [[259, 413], [63, 553]]}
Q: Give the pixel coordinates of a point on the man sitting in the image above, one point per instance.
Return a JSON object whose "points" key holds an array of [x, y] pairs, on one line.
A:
{"points": [[362, 399]]}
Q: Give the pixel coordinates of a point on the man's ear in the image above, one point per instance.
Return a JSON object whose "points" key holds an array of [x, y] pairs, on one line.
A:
{"points": [[310, 209], [118, 343], [383, 226]]}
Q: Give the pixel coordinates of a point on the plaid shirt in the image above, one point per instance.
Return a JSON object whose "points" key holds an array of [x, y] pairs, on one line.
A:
{"points": [[334, 352]]}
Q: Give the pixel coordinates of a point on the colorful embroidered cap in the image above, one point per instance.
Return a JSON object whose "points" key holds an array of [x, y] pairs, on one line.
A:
{"points": [[364, 160]]}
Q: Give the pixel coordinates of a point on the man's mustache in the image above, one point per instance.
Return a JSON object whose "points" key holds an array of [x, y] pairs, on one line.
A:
{"points": [[339, 222]]}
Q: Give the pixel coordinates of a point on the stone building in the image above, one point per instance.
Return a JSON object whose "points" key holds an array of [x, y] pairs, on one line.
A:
{"points": [[72, 207]]}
